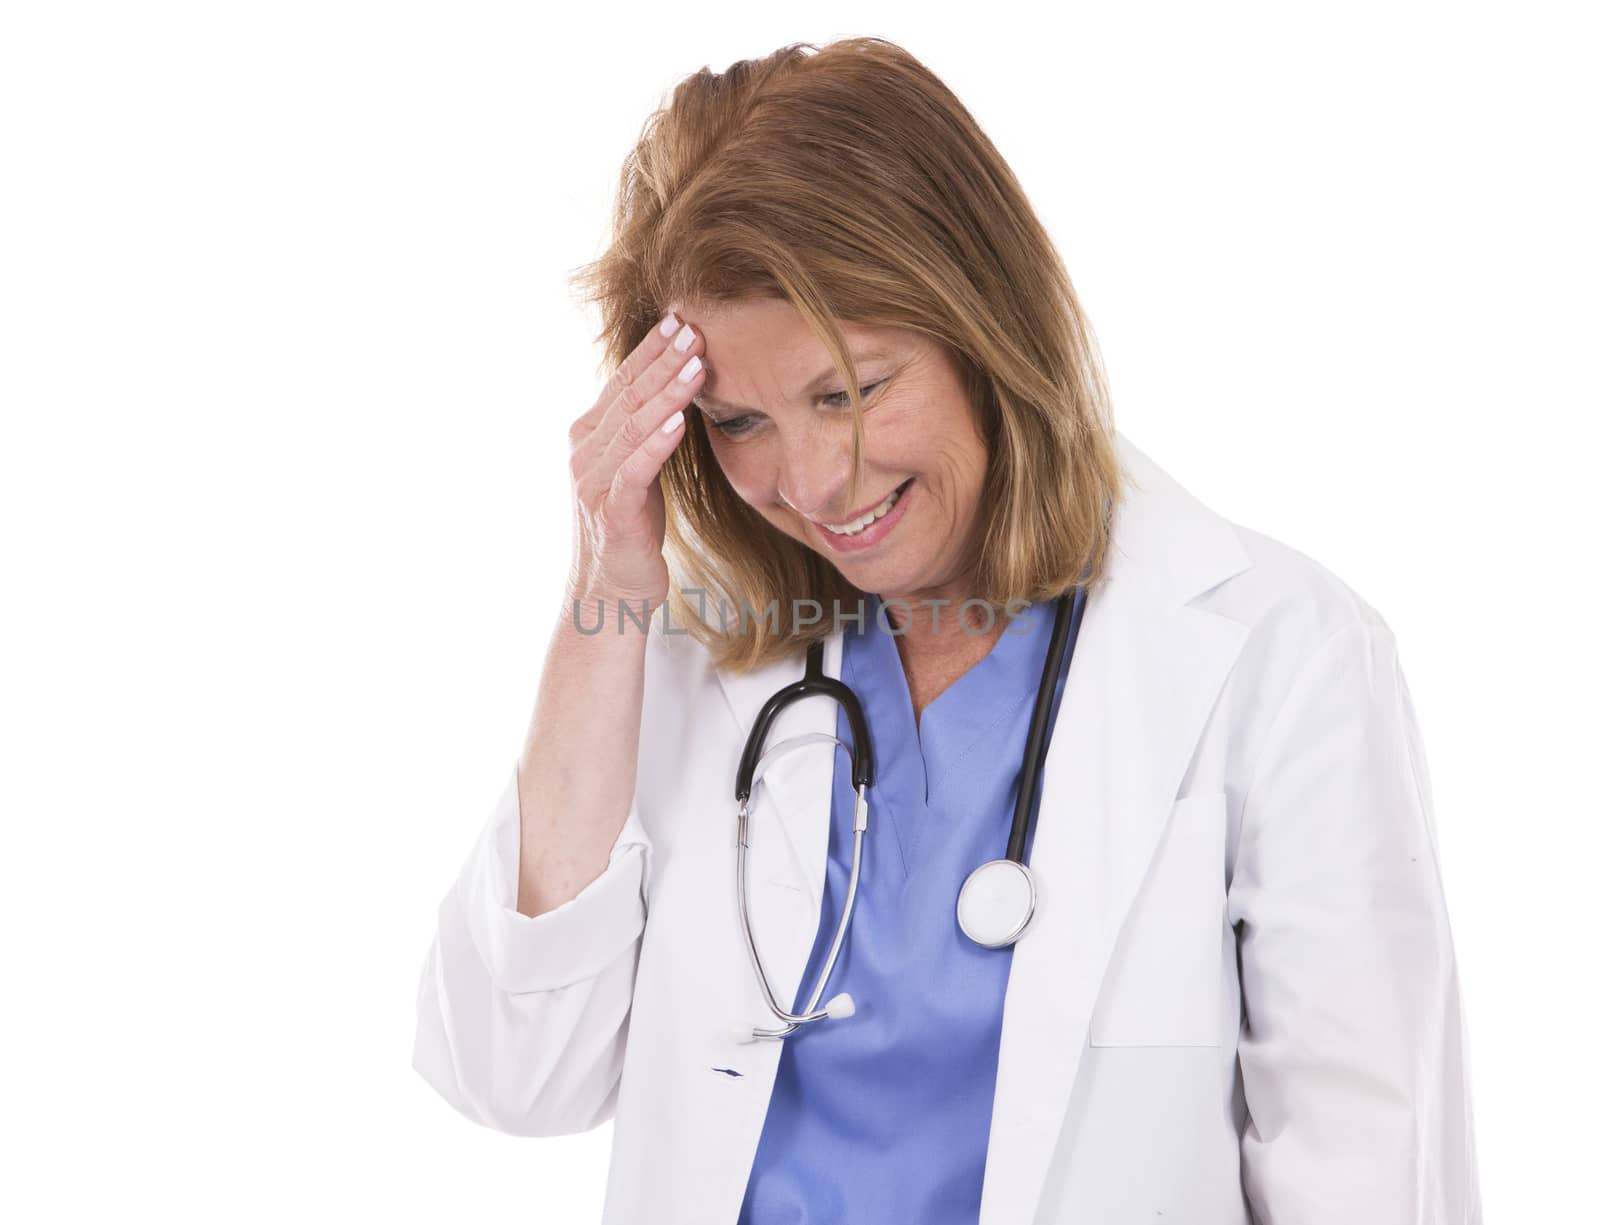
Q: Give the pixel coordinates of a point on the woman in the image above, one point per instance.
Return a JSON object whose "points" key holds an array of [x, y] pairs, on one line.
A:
{"points": [[856, 404]]}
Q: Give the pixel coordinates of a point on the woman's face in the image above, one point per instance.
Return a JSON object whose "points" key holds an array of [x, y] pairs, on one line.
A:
{"points": [[779, 420]]}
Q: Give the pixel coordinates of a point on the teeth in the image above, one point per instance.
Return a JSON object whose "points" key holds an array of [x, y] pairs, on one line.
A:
{"points": [[856, 526]]}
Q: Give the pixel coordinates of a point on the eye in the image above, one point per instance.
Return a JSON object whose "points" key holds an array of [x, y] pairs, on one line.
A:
{"points": [[733, 427], [737, 427], [841, 399]]}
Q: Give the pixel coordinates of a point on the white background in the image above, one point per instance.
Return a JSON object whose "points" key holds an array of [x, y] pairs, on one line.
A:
{"points": [[288, 360]]}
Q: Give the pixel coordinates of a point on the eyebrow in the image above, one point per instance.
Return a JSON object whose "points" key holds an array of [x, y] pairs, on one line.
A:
{"points": [[709, 401]]}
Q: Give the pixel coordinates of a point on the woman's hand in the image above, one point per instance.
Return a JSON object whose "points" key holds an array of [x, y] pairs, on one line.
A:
{"points": [[618, 447]]}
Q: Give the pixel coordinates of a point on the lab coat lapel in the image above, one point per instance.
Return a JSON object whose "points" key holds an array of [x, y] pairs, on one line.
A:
{"points": [[1145, 676]]}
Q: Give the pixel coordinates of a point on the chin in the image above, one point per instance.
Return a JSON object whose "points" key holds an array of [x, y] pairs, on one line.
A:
{"points": [[880, 574]]}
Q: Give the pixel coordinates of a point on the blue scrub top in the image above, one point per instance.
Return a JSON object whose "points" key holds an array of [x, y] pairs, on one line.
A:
{"points": [[884, 1116]]}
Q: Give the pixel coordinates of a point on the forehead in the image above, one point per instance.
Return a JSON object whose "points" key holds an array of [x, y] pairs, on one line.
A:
{"points": [[774, 327], [765, 347]]}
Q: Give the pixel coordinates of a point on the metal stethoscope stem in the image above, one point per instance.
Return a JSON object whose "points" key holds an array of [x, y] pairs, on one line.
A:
{"points": [[841, 1005]]}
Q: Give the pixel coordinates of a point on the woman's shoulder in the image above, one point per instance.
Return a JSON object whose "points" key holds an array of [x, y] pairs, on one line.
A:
{"points": [[1286, 584], [1286, 596]]}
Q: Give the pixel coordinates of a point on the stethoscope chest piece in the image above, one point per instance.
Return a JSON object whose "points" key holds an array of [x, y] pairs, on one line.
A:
{"points": [[996, 903]]}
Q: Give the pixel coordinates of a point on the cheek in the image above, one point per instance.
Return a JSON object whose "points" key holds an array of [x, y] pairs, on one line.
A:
{"points": [[742, 470]]}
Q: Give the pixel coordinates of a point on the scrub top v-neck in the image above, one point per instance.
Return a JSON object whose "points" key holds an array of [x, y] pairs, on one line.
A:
{"points": [[884, 1116]]}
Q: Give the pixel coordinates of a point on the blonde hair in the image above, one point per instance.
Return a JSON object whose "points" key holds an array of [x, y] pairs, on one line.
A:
{"points": [[850, 182]]}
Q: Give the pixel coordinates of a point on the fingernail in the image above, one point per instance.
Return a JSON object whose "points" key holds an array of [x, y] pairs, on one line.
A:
{"points": [[690, 369], [669, 325], [673, 422]]}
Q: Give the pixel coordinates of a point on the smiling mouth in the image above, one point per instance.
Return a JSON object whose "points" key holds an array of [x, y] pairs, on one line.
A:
{"points": [[854, 527]]}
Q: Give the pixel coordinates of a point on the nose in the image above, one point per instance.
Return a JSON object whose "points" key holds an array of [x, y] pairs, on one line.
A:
{"points": [[814, 477]]}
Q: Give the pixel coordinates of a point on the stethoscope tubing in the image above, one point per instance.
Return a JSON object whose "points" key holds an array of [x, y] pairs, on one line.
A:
{"points": [[753, 762], [1063, 639]]}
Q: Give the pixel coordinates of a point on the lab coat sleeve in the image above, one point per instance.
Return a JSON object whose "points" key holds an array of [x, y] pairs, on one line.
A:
{"points": [[1353, 1050], [521, 1022]]}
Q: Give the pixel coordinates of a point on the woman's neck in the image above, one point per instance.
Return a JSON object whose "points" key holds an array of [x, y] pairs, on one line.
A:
{"points": [[939, 641]]}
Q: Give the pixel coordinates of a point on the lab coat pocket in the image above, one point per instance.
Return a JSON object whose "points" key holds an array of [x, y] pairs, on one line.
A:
{"points": [[1164, 982]]}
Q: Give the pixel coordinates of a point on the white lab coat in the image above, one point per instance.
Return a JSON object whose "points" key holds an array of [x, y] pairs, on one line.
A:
{"points": [[1237, 1002]]}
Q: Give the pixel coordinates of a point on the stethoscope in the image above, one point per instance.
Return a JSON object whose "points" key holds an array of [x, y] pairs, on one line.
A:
{"points": [[996, 902]]}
